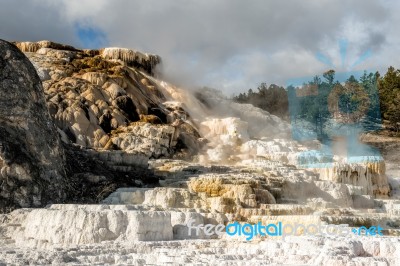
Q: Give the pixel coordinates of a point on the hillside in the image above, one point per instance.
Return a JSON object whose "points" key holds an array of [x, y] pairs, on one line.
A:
{"points": [[126, 163]]}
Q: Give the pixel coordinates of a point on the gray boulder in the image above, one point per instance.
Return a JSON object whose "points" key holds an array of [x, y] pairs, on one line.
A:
{"points": [[32, 160]]}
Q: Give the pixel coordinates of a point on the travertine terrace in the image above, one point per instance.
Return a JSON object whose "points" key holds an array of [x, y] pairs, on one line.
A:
{"points": [[216, 162]]}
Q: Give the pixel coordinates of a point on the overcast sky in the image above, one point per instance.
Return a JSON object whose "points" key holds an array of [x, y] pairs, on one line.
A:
{"points": [[231, 45]]}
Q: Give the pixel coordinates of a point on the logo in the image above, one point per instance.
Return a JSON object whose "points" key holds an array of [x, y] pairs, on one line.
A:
{"points": [[249, 231]]}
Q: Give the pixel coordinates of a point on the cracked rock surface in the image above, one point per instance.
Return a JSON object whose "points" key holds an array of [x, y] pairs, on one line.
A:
{"points": [[31, 155]]}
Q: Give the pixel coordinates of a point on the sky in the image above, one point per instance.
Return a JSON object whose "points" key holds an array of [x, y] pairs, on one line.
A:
{"points": [[230, 45]]}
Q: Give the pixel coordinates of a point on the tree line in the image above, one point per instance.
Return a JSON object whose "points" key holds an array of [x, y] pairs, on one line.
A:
{"points": [[372, 98], [273, 99]]}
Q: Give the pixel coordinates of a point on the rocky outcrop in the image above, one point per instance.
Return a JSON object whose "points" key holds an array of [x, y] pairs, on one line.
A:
{"points": [[91, 93], [93, 175], [88, 106], [31, 156], [152, 140], [143, 61], [370, 175], [37, 168], [155, 140], [147, 62], [33, 47]]}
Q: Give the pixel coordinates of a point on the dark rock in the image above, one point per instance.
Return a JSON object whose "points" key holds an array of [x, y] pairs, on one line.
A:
{"points": [[188, 139], [31, 158], [92, 179], [105, 122], [159, 113], [128, 108]]}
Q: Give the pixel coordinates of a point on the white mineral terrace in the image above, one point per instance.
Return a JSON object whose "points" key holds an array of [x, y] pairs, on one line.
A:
{"points": [[147, 226], [248, 171]]}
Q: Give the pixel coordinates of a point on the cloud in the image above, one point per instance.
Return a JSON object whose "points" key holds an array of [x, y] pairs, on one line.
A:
{"points": [[33, 21], [228, 44]]}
